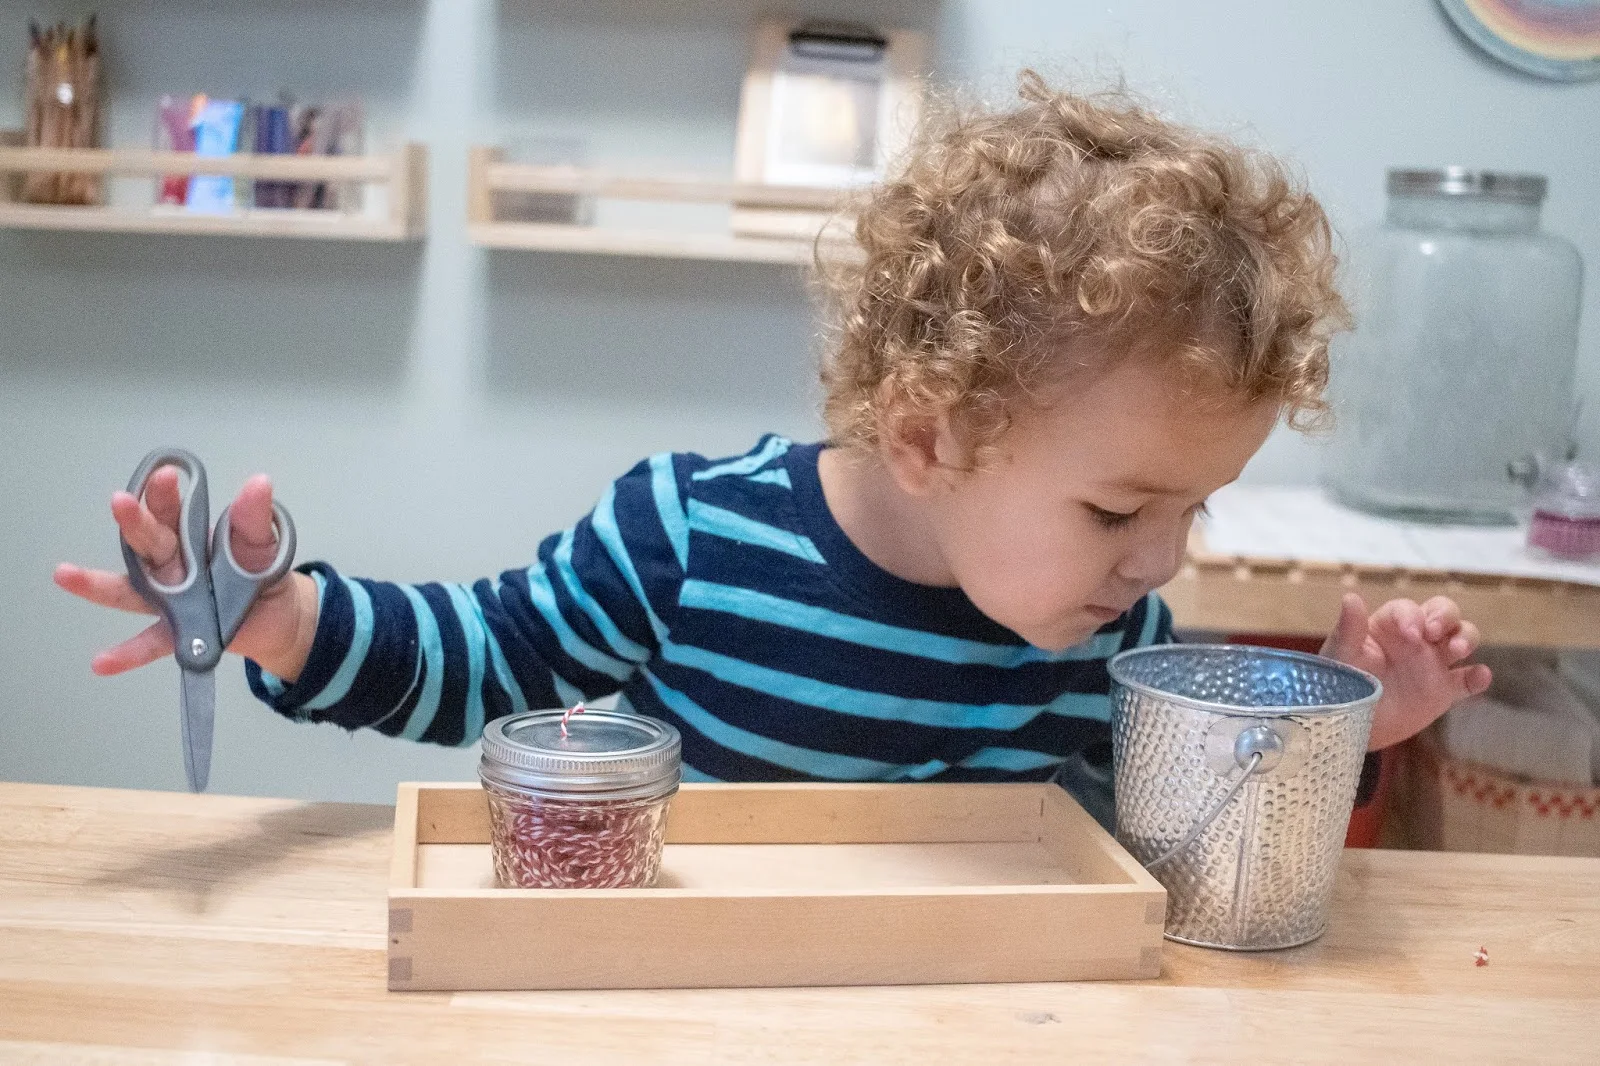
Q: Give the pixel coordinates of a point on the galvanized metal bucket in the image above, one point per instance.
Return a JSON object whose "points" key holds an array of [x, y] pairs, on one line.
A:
{"points": [[1235, 770]]}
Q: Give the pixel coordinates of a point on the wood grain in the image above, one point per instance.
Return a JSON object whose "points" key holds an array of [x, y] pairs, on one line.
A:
{"points": [[134, 161], [405, 172], [140, 927], [648, 243], [845, 813], [669, 188], [784, 884], [1236, 594]]}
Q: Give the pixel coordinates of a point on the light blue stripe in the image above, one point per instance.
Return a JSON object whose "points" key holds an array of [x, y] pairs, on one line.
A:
{"points": [[1094, 706], [924, 771], [474, 629], [621, 646], [604, 521], [360, 642], [805, 760], [698, 776], [877, 705], [764, 607], [731, 526], [775, 476], [273, 684], [1018, 759], [664, 487], [1152, 619], [502, 668], [543, 596], [774, 447], [431, 653]]}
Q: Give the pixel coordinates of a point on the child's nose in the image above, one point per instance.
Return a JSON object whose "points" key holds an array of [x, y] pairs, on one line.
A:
{"points": [[1154, 561]]}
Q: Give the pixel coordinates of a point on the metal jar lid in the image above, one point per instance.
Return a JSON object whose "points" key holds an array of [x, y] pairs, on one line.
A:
{"points": [[606, 754], [1460, 181]]}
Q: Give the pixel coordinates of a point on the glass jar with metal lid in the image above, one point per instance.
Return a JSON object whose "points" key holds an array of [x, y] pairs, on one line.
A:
{"points": [[578, 800], [1462, 362]]}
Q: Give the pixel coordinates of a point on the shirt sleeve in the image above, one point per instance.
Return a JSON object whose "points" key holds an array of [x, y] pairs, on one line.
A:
{"points": [[434, 662]]}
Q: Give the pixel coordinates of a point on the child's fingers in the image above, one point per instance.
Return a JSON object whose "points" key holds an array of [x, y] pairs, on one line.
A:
{"points": [[1349, 634], [151, 540], [150, 644], [1443, 618], [161, 496], [254, 542], [1472, 680], [1402, 619], [101, 587], [1464, 643]]}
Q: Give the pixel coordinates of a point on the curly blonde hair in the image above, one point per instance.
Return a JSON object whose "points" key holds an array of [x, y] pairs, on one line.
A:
{"points": [[1005, 234]]}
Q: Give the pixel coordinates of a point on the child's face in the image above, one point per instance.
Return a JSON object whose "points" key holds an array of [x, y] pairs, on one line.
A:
{"points": [[1087, 503]]}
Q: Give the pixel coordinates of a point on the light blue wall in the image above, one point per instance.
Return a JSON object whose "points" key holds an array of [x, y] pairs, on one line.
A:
{"points": [[431, 411]]}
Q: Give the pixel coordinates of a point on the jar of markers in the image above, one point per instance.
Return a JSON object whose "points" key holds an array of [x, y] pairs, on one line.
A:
{"points": [[578, 799]]}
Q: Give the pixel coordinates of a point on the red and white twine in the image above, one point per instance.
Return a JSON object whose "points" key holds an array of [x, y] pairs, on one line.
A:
{"points": [[577, 708], [573, 842]]}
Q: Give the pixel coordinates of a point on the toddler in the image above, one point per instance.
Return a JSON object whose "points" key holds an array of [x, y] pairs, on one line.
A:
{"points": [[1072, 322]]}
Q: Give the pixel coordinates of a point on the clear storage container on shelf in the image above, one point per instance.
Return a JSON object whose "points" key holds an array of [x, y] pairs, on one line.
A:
{"points": [[1462, 361]]}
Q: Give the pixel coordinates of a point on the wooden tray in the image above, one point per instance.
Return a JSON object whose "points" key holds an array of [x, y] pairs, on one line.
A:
{"points": [[767, 885]]}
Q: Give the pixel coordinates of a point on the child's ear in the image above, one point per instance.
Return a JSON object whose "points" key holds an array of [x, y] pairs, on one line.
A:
{"points": [[922, 452]]}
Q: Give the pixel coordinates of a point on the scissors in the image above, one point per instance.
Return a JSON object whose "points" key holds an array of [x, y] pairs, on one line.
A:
{"points": [[206, 608]]}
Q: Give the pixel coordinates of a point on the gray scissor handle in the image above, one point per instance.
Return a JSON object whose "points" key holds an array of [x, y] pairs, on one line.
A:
{"points": [[206, 608], [236, 588], [188, 606]]}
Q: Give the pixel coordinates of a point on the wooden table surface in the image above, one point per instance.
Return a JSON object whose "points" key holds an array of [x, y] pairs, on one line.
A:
{"points": [[145, 927]]}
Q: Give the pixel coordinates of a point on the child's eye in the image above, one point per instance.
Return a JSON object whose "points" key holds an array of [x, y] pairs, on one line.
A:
{"points": [[1111, 519]]}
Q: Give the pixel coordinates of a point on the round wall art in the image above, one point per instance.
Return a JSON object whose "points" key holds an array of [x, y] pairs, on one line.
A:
{"points": [[1556, 39]]}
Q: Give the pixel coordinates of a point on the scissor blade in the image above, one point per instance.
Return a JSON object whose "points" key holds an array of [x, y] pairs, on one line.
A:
{"points": [[199, 719]]}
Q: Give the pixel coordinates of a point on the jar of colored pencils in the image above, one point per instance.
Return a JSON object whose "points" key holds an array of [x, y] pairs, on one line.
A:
{"points": [[578, 799]]}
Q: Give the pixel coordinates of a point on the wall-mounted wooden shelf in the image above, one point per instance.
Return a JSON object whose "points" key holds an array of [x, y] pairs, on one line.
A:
{"points": [[489, 174], [1235, 594], [404, 174]]}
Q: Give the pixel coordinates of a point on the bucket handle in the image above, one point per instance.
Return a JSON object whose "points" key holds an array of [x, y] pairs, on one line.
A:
{"points": [[1253, 746]]}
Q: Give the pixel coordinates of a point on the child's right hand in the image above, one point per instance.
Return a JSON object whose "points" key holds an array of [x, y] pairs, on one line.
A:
{"points": [[280, 627]]}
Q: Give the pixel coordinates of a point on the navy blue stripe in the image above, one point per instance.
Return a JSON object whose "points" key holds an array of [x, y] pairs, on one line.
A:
{"points": [[387, 672], [571, 613], [646, 539], [446, 728], [606, 584]]}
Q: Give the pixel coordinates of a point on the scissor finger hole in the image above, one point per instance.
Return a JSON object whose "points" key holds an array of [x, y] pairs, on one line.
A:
{"points": [[162, 496], [271, 556], [165, 492]]}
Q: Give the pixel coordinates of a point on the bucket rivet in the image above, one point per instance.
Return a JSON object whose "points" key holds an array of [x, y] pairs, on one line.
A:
{"points": [[1260, 740]]}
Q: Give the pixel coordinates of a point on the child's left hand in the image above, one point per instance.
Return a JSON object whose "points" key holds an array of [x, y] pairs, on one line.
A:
{"points": [[1413, 649]]}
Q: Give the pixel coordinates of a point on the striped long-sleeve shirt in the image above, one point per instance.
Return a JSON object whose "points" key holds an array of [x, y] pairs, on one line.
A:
{"points": [[722, 597]]}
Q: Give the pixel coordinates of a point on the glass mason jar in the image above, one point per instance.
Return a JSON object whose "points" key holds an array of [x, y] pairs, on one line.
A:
{"points": [[1462, 361], [580, 803]]}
